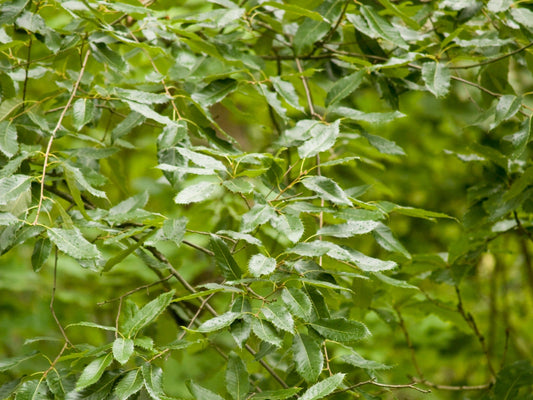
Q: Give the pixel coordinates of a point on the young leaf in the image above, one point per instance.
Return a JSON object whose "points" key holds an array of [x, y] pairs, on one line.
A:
{"points": [[237, 381], [326, 189], [321, 389], [92, 372], [147, 314], [195, 193], [201, 393], [122, 349], [308, 357], [298, 302], [224, 259], [437, 78], [340, 329], [261, 265], [219, 322], [72, 243], [130, 384]]}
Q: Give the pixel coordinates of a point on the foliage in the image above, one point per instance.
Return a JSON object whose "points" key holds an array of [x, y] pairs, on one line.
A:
{"points": [[229, 200]]}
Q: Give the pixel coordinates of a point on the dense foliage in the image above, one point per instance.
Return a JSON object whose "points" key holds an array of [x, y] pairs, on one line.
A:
{"points": [[229, 199]]}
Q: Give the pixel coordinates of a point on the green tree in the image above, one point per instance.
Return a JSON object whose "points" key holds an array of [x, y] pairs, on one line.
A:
{"points": [[230, 199]]}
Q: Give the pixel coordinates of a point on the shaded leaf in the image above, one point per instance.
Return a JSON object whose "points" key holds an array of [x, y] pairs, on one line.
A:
{"points": [[340, 329], [41, 251], [381, 28], [279, 316], [298, 302], [308, 357], [92, 372], [129, 384], [147, 314], [265, 331], [224, 259], [386, 239], [8, 139], [344, 87], [276, 394], [201, 393], [237, 382], [323, 388], [8, 363]]}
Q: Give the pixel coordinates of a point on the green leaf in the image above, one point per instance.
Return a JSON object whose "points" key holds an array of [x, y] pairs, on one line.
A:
{"points": [[312, 30], [291, 226], [383, 145], [129, 384], [147, 314], [344, 87], [294, 9], [81, 180], [298, 302], [215, 92], [520, 139], [122, 349], [322, 138], [507, 107], [512, 378], [279, 316], [276, 394], [31, 390], [219, 322], [362, 261], [523, 16], [72, 243], [55, 383], [240, 330], [321, 389], [261, 265], [436, 77], [11, 187], [348, 229], [326, 189], [340, 329], [381, 28], [7, 219], [308, 357], [499, 5], [131, 121], [357, 361], [239, 185], [148, 112], [82, 111], [92, 372], [259, 214], [195, 193], [374, 118], [520, 184], [105, 55], [237, 381], [224, 259], [286, 89], [153, 381], [201, 393], [386, 239], [41, 251], [265, 331], [8, 363], [201, 159], [143, 97], [11, 10], [8, 139], [112, 261]]}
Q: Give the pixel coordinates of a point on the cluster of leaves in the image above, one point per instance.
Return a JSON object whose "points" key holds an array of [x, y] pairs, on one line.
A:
{"points": [[220, 153]]}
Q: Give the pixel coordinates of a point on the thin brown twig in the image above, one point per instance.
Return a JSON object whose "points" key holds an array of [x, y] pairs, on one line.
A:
{"points": [[52, 365], [453, 388], [386, 385], [52, 136], [492, 60], [403, 327]]}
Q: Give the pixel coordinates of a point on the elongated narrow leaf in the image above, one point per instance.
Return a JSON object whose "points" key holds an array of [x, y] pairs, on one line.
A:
{"points": [[308, 357], [195, 193], [326, 189], [202, 393], [381, 27], [261, 265], [363, 262], [82, 110], [286, 91], [374, 118], [340, 329], [122, 349], [41, 251], [344, 87], [297, 302], [265, 331], [437, 78], [219, 322], [321, 389], [357, 361], [348, 229], [72, 243], [386, 239], [237, 381], [9, 363], [277, 394], [112, 261], [130, 384], [147, 314], [279, 316], [30, 390], [294, 9], [55, 383], [8, 139], [201, 159], [92, 372], [224, 259]]}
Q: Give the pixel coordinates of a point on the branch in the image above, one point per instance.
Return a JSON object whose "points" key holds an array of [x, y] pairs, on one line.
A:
{"points": [[493, 60], [52, 136], [67, 341], [453, 388], [386, 385]]}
